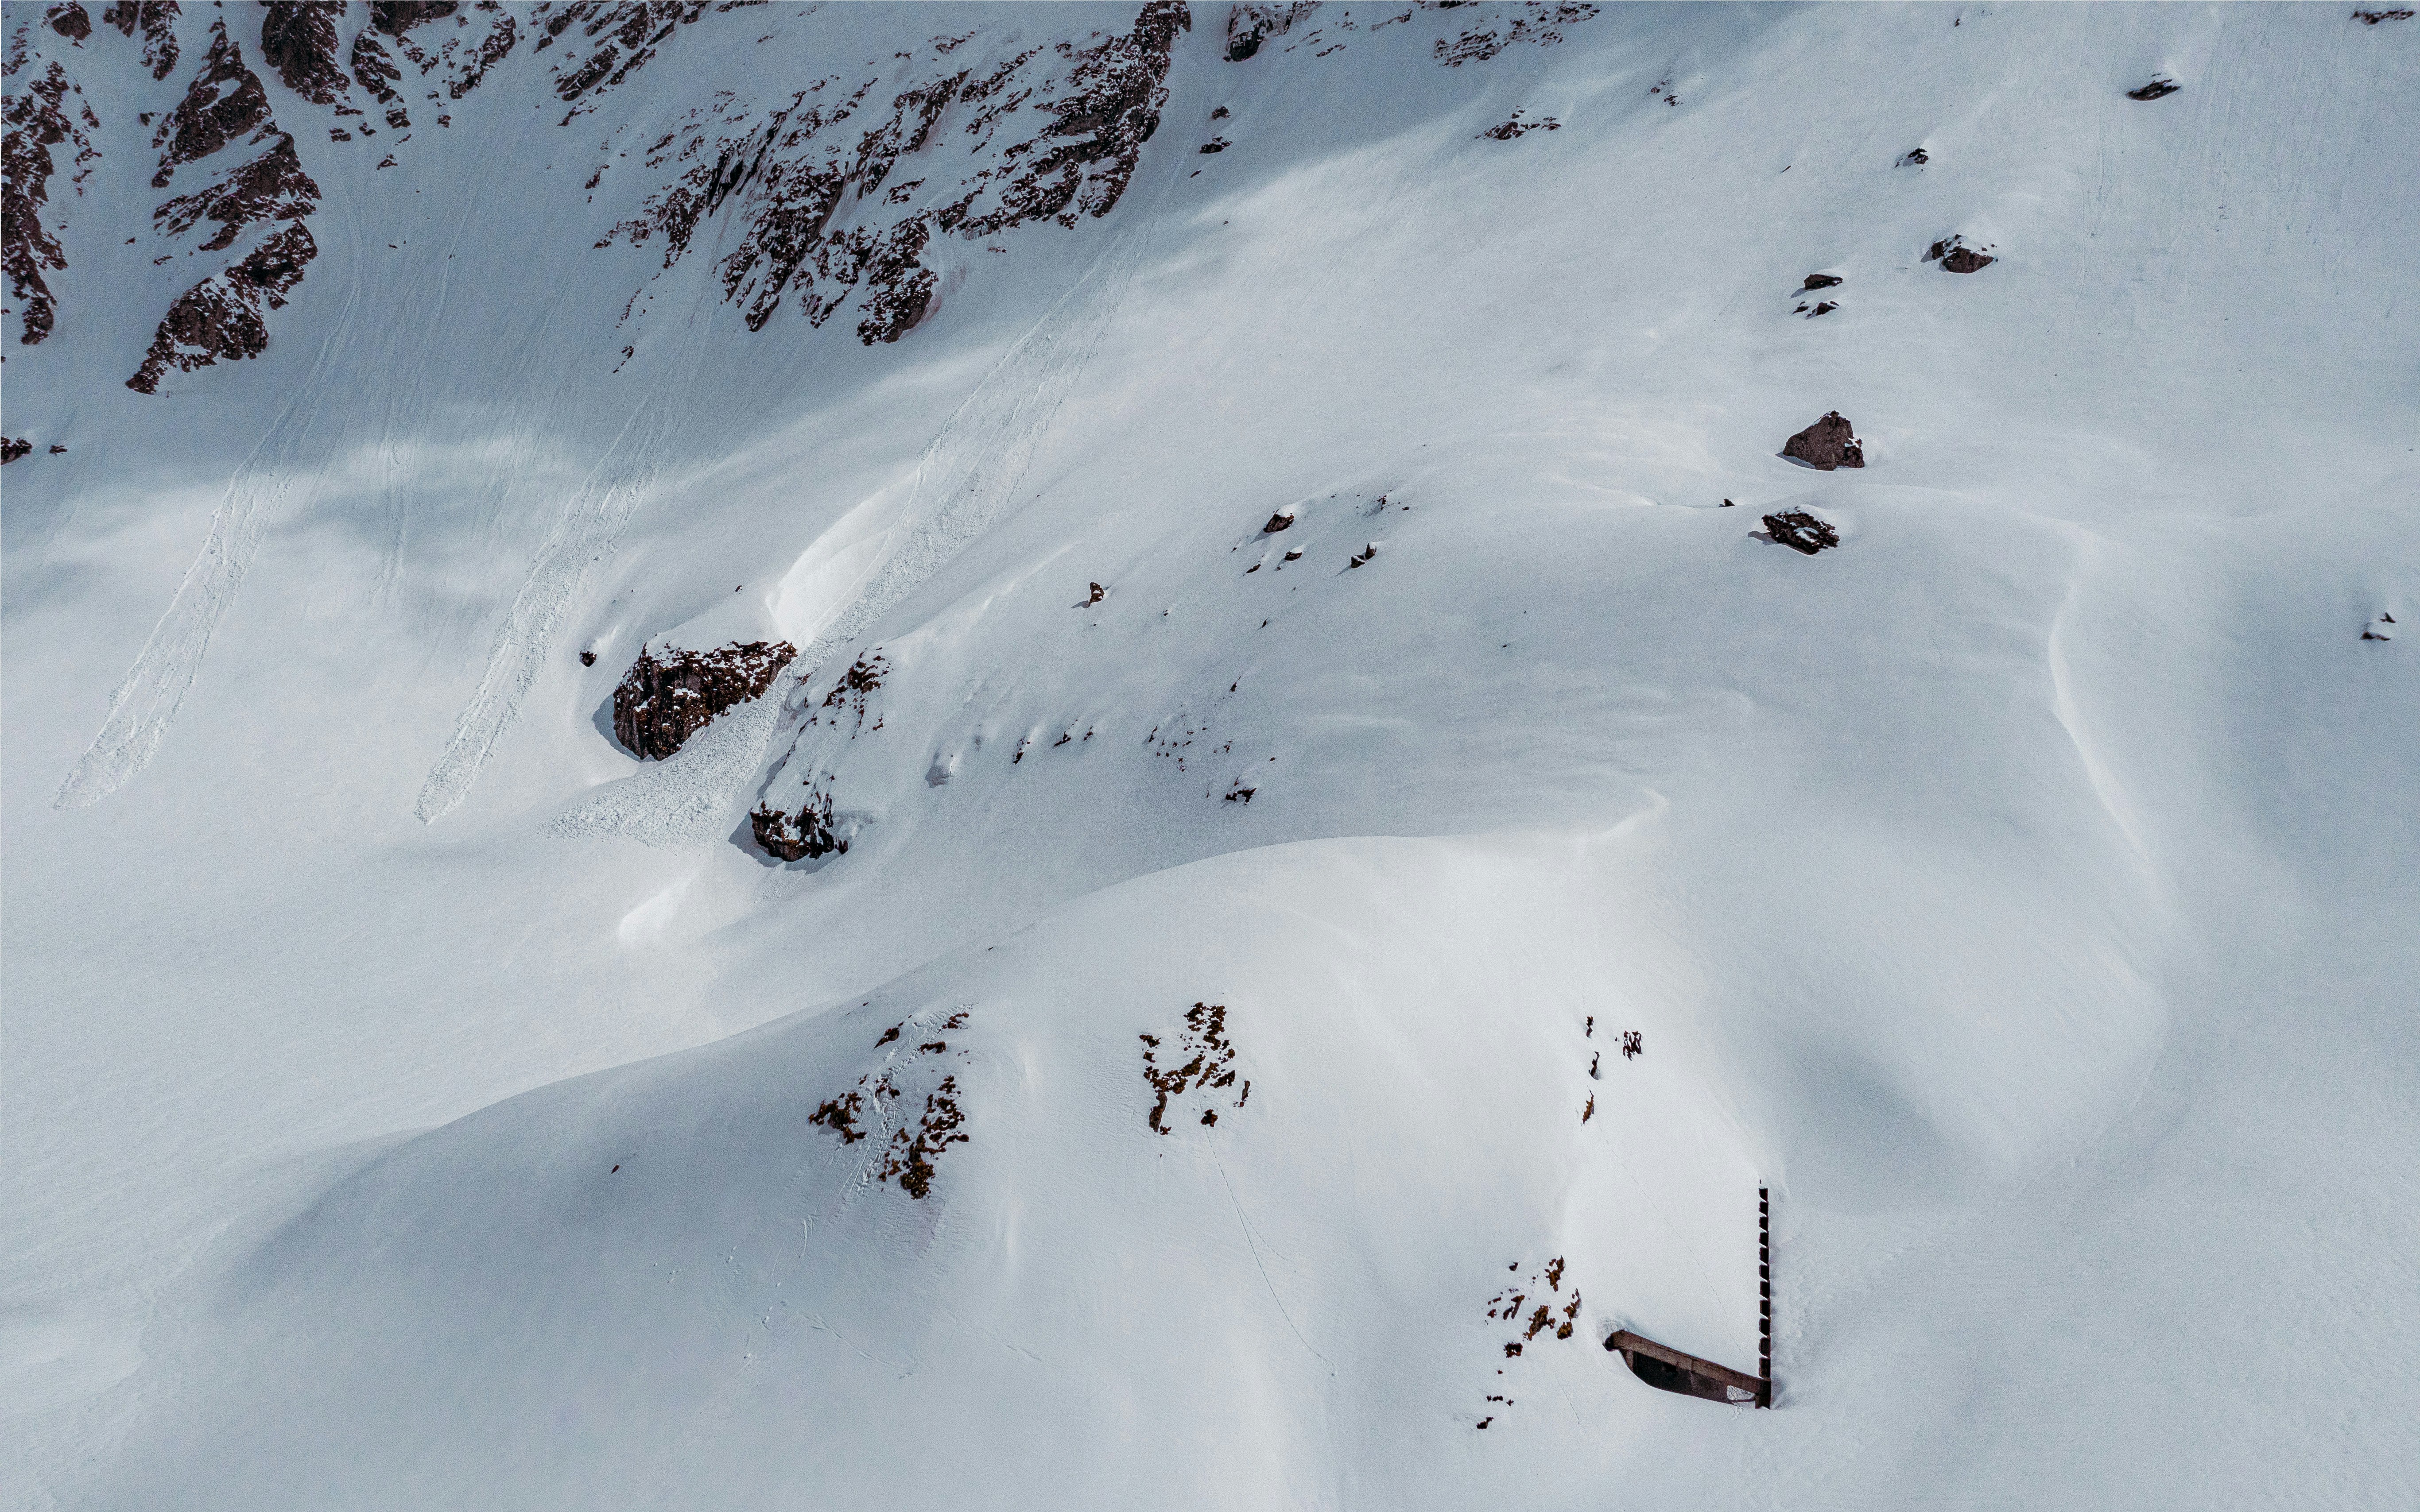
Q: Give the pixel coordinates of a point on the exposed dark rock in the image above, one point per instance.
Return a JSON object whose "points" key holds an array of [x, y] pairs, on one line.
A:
{"points": [[13, 447], [663, 700], [1830, 442], [1216, 143], [1800, 532], [299, 40], [373, 70], [2159, 88], [1249, 25], [1816, 281], [1278, 522], [157, 20], [220, 317], [396, 17], [225, 101], [807, 836], [1515, 128], [37, 121], [70, 21], [272, 187], [588, 659], [1087, 110], [2374, 17], [1955, 257], [1912, 158], [1538, 24], [1825, 308]]}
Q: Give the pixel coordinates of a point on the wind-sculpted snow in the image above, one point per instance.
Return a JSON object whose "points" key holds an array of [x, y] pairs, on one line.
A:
{"points": [[1354, 787]]}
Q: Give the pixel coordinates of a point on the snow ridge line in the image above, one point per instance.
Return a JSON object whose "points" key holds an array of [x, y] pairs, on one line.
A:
{"points": [[145, 702]]}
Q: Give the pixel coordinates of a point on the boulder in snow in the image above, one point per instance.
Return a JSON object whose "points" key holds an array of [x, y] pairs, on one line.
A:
{"points": [[1830, 442], [1800, 532], [662, 701]]}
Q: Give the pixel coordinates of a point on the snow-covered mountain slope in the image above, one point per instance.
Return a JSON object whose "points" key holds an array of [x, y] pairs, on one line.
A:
{"points": [[415, 1100]]}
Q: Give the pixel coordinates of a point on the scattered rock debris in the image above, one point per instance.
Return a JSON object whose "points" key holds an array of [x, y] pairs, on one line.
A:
{"points": [[1207, 1070], [1633, 1044], [911, 1156], [662, 701], [2160, 87], [1516, 126], [1955, 257], [1830, 442], [1800, 532], [1538, 24], [1533, 1307]]}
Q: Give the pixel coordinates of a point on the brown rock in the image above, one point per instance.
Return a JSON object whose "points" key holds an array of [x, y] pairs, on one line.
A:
{"points": [[1278, 522], [805, 837], [13, 447], [1800, 532], [299, 40], [70, 21], [1830, 442], [662, 701], [1955, 257], [1816, 281]]}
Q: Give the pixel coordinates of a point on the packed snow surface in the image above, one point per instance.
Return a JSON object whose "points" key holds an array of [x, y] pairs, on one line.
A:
{"points": [[1216, 1017]]}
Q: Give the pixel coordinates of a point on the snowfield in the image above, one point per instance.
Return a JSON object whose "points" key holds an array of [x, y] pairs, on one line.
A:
{"points": [[1185, 1065]]}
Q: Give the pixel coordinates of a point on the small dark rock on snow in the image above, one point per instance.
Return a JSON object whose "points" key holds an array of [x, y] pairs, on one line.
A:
{"points": [[1800, 532], [1914, 158], [2160, 87], [1955, 257], [1276, 522], [1830, 442], [1815, 281]]}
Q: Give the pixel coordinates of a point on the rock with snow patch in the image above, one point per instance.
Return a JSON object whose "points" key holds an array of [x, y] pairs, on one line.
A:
{"points": [[1830, 442], [662, 701]]}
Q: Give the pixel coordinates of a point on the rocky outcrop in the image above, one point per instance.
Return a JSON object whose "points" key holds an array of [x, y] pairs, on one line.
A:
{"points": [[37, 118], [1800, 532], [225, 112], [1830, 442], [808, 835], [299, 40], [1955, 257], [662, 701], [1249, 25], [157, 21], [1048, 134], [13, 447], [221, 317], [1539, 25]]}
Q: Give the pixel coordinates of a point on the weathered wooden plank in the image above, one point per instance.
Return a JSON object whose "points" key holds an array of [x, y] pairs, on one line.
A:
{"points": [[1629, 1343]]}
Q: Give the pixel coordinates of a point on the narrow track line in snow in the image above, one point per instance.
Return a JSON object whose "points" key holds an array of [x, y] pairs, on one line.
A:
{"points": [[145, 702]]}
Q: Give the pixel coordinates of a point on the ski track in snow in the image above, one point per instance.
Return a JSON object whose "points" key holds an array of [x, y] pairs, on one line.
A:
{"points": [[591, 522], [965, 481], [147, 701]]}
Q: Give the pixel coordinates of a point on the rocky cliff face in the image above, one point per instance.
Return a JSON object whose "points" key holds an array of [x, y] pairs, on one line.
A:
{"points": [[662, 701]]}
